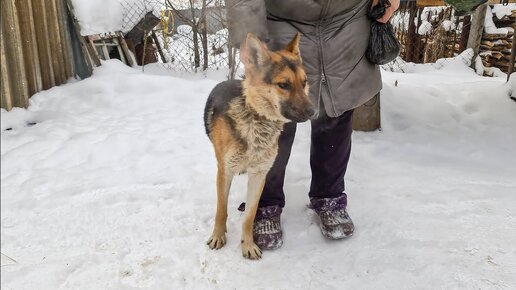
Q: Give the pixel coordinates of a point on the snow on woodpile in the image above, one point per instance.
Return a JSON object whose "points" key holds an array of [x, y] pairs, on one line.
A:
{"points": [[496, 43]]}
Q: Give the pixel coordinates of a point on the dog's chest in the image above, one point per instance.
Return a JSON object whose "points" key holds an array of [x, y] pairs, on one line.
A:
{"points": [[259, 143]]}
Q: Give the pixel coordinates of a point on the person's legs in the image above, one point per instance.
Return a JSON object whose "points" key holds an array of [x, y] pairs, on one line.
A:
{"points": [[329, 156]]}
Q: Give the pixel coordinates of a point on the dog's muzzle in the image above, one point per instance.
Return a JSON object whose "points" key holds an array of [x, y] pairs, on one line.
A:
{"points": [[298, 114]]}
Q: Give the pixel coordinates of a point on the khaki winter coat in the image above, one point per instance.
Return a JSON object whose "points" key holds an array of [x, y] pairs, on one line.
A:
{"points": [[335, 34]]}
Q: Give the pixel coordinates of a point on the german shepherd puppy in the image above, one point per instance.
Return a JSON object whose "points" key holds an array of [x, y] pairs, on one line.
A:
{"points": [[244, 118]]}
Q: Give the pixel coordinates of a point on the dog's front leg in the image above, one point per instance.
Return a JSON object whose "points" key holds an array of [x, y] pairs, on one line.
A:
{"points": [[218, 238], [254, 190]]}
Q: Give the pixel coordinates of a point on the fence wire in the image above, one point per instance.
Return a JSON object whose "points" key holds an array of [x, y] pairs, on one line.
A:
{"points": [[192, 35], [179, 35]]}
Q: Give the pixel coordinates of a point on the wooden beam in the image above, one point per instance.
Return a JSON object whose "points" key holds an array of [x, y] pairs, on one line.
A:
{"points": [[125, 49], [475, 33]]}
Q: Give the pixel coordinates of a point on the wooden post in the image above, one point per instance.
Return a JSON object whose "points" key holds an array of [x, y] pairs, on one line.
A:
{"points": [[367, 117], [125, 49], [476, 30]]}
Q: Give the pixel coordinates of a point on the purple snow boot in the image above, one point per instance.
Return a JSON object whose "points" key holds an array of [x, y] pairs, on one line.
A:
{"points": [[267, 232], [335, 221]]}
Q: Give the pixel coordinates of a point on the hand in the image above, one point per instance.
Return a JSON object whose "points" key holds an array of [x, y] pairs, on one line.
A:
{"points": [[395, 4]]}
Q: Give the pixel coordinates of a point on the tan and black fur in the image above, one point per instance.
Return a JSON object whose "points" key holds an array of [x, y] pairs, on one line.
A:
{"points": [[244, 119]]}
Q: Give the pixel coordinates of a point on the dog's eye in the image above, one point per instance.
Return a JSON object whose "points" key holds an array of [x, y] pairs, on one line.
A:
{"points": [[284, 86], [304, 83]]}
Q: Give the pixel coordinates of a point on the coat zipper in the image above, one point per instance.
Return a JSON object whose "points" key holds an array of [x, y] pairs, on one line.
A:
{"points": [[321, 55]]}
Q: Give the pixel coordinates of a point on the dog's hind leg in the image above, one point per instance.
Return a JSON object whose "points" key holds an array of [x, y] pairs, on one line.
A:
{"points": [[254, 190], [218, 238]]}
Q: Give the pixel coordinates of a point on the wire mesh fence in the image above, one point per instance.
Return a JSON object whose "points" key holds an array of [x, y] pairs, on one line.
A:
{"points": [[192, 35], [181, 35]]}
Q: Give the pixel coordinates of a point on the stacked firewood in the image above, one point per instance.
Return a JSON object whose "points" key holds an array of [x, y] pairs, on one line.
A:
{"points": [[495, 49]]}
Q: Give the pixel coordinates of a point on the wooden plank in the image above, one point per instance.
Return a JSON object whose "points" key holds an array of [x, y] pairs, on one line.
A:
{"points": [[55, 40], [5, 90], [125, 49], [29, 46], [92, 50], [66, 42], [430, 3], [494, 36], [18, 91], [43, 42]]}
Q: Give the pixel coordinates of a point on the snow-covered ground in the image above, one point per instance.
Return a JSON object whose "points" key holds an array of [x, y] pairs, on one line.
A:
{"points": [[113, 188]]}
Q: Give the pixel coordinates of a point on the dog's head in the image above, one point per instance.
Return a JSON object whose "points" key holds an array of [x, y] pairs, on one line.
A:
{"points": [[275, 82]]}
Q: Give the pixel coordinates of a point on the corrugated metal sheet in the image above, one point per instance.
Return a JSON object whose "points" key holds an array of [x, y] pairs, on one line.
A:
{"points": [[36, 49]]}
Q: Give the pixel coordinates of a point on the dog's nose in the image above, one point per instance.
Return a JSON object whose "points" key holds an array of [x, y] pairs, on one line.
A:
{"points": [[310, 112]]}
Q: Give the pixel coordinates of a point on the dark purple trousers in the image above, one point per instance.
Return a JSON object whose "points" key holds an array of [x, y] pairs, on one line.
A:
{"points": [[329, 155]]}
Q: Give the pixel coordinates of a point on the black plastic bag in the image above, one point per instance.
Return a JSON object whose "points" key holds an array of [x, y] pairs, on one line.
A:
{"points": [[383, 46]]}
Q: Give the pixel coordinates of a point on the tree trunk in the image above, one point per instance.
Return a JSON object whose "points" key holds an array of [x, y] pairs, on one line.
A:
{"points": [[204, 36]]}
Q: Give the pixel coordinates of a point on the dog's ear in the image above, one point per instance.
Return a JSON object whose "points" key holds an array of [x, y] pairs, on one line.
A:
{"points": [[293, 46], [254, 52]]}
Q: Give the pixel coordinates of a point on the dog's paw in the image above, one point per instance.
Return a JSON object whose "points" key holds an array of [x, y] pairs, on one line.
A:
{"points": [[216, 241], [251, 251]]}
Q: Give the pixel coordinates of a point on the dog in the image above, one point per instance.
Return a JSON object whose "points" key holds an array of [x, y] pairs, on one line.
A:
{"points": [[244, 118]]}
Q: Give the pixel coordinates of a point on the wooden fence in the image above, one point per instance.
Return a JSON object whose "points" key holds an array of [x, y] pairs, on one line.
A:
{"points": [[36, 49]]}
